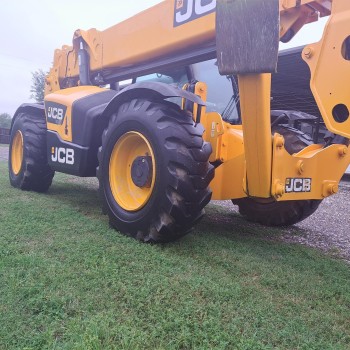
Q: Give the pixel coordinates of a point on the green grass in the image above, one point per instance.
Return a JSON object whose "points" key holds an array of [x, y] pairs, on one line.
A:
{"points": [[68, 281]]}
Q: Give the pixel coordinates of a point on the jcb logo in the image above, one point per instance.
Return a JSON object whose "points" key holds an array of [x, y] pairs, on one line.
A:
{"points": [[188, 10], [55, 112], [298, 185], [62, 155]]}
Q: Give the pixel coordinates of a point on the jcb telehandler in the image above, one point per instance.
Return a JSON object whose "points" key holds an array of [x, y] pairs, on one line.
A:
{"points": [[142, 106]]}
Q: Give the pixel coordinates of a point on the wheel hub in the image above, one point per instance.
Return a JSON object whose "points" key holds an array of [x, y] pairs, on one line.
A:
{"points": [[141, 171], [17, 152], [132, 171]]}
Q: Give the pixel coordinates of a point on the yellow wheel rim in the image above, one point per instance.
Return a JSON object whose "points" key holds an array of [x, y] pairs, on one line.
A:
{"points": [[130, 146], [17, 153]]}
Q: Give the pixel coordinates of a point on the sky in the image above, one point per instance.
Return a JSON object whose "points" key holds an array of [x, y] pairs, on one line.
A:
{"points": [[32, 29]]}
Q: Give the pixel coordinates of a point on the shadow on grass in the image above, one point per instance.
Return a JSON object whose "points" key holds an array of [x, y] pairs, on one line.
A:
{"points": [[218, 221], [232, 222], [77, 193]]}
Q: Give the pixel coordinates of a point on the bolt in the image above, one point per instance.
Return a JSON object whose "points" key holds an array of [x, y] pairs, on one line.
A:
{"points": [[308, 52], [279, 189], [329, 188], [342, 151], [332, 189], [279, 141], [300, 166]]}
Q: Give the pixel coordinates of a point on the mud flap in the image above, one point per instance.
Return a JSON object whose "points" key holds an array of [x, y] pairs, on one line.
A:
{"points": [[247, 36]]}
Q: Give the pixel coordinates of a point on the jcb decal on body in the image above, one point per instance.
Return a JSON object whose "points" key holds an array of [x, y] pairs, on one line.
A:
{"points": [[55, 112], [188, 10], [62, 155], [298, 185]]}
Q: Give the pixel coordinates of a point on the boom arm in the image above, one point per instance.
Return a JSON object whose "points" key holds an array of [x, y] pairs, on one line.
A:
{"points": [[165, 30]]}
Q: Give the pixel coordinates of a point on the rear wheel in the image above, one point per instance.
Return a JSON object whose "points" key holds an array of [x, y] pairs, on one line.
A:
{"points": [[269, 212], [28, 166], [154, 171]]}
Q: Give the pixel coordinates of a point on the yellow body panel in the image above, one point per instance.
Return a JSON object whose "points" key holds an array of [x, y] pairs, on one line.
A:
{"points": [[162, 38], [230, 177], [323, 166], [67, 97], [330, 71], [214, 129]]}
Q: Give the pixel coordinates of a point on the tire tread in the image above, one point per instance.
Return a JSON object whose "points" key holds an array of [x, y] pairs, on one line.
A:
{"points": [[36, 174], [188, 171]]}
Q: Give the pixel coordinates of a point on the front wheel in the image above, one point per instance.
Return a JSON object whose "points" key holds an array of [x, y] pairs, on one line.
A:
{"points": [[28, 166], [154, 171], [268, 211]]}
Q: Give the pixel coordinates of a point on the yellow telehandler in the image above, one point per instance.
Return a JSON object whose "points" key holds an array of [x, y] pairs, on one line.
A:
{"points": [[172, 108]]}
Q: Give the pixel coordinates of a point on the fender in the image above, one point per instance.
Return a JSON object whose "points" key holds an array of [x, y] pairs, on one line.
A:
{"points": [[90, 114], [151, 90], [32, 108]]}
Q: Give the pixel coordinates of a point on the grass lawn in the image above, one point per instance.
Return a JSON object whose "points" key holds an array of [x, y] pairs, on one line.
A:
{"points": [[68, 281]]}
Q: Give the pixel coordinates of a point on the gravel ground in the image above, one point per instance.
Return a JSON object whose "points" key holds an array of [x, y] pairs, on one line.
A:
{"points": [[328, 229]]}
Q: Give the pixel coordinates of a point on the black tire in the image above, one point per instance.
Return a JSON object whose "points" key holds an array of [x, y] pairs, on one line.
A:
{"points": [[183, 172], [268, 211], [35, 173], [294, 140]]}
